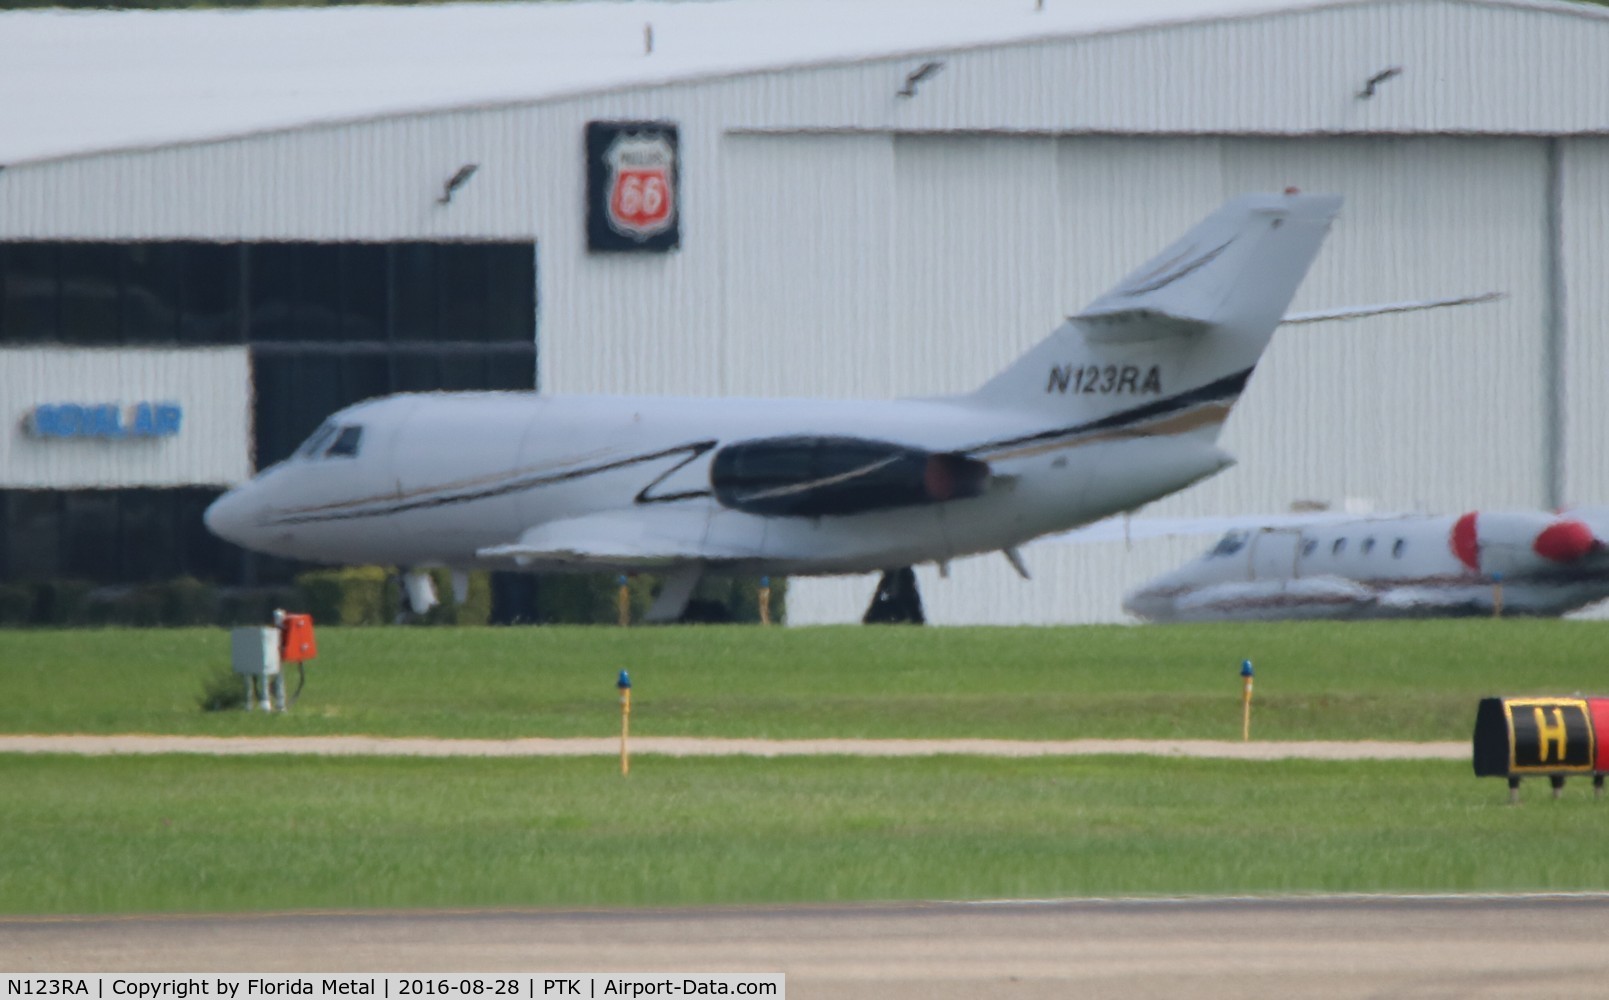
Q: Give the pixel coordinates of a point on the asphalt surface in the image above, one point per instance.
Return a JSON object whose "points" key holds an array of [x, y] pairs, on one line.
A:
{"points": [[1203, 949]]}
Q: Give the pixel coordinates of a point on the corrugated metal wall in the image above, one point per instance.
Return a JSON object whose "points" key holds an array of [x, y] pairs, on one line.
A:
{"points": [[1585, 232], [840, 240], [212, 386]]}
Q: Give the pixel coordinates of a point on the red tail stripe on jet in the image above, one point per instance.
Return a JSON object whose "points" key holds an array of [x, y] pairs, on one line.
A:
{"points": [[1465, 543]]}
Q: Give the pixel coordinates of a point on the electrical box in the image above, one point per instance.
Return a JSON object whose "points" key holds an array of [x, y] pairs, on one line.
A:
{"points": [[255, 651], [296, 643], [255, 655]]}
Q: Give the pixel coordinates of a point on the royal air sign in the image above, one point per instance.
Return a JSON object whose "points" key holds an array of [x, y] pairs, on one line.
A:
{"points": [[104, 421], [633, 187]]}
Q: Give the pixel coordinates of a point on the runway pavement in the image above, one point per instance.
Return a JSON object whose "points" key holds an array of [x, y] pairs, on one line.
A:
{"points": [[1336, 948]]}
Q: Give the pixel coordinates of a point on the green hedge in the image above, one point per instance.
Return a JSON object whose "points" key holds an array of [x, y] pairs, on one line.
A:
{"points": [[593, 598], [364, 595], [179, 602], [371, 595]]}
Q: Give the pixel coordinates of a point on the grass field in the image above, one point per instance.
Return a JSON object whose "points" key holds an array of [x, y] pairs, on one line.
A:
{"points": [[196, 834], [1395, 680], [182, 833]]}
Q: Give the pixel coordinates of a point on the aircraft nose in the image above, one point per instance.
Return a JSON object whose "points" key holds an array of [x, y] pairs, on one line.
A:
{"points": [[226, 517], [1565, 541]]}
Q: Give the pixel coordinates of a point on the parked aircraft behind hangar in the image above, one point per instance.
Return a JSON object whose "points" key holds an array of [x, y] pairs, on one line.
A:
{"points": [[1410, 566], [1120, 405]]}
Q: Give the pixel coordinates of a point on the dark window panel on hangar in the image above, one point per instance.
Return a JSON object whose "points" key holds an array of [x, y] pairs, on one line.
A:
{"points": [[111, 536], [31, 541], [151, 294], [31, 307], [365, 302], [415, 291], [210, 285], [107, 294], [91, 294]]}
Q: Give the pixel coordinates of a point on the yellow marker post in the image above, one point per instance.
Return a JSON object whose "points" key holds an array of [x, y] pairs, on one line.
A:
{"points": [[1245, 701], [765, 600], [624, 684], [623, 602]]}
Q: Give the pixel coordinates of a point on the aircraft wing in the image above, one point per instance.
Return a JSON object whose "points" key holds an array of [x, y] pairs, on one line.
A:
{"points": [[634, 539], [1120, 528]]}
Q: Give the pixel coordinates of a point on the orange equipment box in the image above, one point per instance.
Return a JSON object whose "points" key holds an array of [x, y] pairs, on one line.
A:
{"points": [[296, 642]]}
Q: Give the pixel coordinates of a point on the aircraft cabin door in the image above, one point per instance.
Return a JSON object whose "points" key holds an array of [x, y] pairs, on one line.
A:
{"points": [[1274, 553]]}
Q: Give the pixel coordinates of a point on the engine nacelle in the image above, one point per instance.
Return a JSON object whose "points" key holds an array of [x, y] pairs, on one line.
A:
{"points": [[810, 476]]}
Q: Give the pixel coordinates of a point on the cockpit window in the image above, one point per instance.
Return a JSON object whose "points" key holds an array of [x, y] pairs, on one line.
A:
{"points": [[315, 444], [1229, 544], [346, 442], [332, 441]]}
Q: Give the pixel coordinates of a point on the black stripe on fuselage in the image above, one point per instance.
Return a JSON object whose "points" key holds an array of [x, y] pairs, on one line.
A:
{"points": [[1227, 387], [518, 485]]}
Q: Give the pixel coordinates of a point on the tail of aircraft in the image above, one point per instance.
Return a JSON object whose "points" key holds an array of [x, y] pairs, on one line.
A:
{"points": [[1170, 348]]}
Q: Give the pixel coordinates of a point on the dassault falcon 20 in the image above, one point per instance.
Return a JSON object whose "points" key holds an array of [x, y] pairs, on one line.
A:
{"points": [[1405, 566], [1120, 405]]}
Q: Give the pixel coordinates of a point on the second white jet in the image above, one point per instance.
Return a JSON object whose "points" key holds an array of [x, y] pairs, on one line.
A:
{"points": [[1407, 566]]}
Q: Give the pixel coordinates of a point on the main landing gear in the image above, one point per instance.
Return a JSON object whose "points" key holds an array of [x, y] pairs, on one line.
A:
{"points": [[896, 601]]}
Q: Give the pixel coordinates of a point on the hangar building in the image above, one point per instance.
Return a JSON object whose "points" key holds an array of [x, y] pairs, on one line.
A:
{"points": [[217, 226]]}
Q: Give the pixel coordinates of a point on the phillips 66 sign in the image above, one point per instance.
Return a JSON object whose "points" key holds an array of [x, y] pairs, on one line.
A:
{"points": [[632, 186]]}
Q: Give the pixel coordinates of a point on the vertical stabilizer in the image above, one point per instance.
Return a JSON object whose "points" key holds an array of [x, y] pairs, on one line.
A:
{"points": [[1184, 331]]}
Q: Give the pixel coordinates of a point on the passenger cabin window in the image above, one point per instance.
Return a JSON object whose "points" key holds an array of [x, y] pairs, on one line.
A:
{"points": [[1368, 546], [1396, 550], [1339, 547], [346, 443], [1308, 546]]}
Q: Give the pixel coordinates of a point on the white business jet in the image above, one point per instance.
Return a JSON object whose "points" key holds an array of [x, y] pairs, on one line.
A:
{"points": [[1120, 405], [1405, 566]]}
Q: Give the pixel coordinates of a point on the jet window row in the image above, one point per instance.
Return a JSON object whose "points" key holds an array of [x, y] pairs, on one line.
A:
{"points": [[1236, 540], [1338, 547], [333, 441]]}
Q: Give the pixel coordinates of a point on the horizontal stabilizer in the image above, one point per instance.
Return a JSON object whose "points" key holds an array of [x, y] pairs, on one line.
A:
{"points": [[1116, 324], [1232, 267], [1386, 308]]}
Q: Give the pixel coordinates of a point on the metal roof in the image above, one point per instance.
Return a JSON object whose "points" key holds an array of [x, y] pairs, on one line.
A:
{"points": [[74, 82], [81, 81]]}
